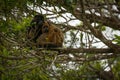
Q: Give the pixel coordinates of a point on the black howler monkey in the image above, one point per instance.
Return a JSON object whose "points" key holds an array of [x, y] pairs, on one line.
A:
{"points": [[51, 36], [34, 30]]}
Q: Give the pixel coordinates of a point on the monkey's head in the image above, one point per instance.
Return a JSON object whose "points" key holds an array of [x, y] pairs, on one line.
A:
{"points": [[38, 20], [46, 27]]}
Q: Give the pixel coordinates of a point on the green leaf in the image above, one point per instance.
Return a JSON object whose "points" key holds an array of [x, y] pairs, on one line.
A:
{"points": [[103, 28], [117, 37], [5, 52]]}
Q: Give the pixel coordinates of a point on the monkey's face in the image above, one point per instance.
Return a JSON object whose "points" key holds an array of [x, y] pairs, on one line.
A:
{"points": [[38, 20], [45, 28]]}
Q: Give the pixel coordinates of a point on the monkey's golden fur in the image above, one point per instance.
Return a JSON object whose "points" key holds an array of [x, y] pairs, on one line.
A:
{"points": [[53, 38]]}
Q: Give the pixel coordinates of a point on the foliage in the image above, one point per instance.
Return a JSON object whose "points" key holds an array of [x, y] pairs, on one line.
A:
{"points": [[117, 39], [95, 26]]}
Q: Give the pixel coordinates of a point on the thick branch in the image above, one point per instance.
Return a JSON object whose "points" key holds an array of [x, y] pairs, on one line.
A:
{"points": [[80, 50]]}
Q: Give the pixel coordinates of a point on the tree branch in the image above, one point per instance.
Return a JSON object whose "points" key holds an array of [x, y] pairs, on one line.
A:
{"points": [[79, 50], [107, 21]]}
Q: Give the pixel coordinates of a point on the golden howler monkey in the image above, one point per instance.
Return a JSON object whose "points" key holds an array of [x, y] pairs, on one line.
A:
{"points": [[51, 36], [34, 30]]}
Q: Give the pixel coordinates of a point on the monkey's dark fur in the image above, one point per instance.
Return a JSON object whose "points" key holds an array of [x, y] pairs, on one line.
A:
{"points": [[34, 31]]}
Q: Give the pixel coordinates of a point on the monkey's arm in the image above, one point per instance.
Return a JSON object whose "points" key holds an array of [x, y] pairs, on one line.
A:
{"points": [[44, 41], [37, 33]]}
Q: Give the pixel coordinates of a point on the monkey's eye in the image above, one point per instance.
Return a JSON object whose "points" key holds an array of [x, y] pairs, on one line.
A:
{"points": [[55, 30], [45, 29], [40, 22]]}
